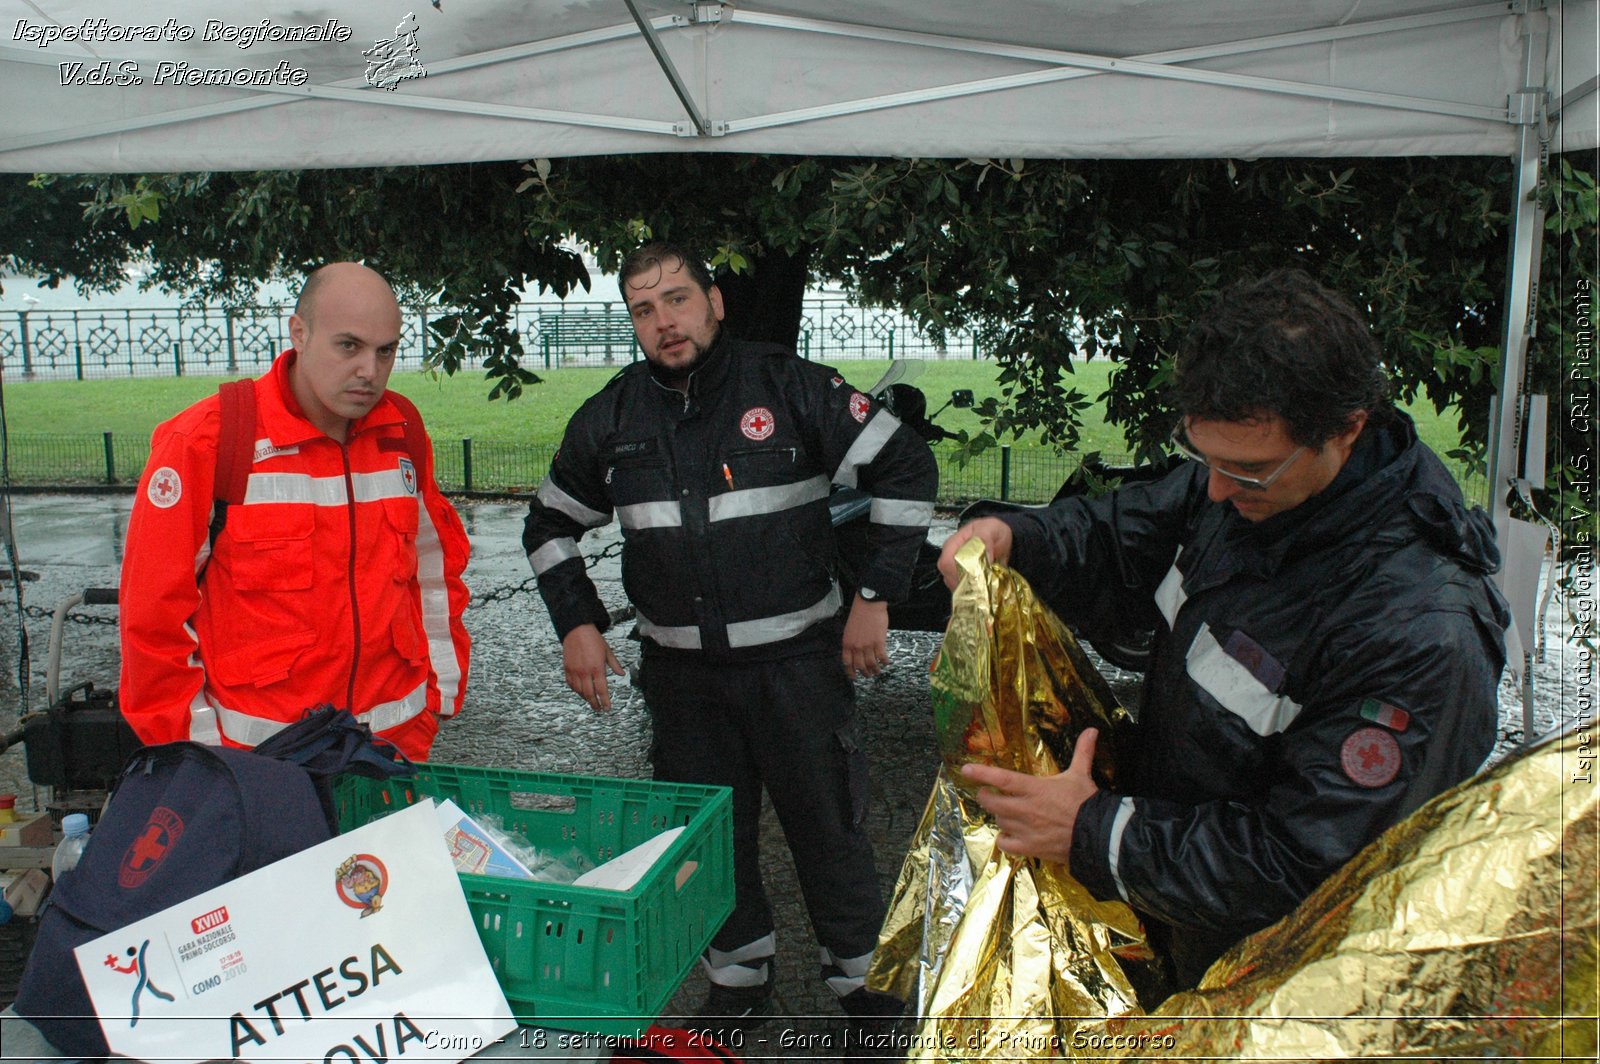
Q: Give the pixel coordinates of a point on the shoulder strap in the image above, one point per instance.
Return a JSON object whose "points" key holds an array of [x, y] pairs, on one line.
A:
{"points": [[236, 445], [416, 439]]}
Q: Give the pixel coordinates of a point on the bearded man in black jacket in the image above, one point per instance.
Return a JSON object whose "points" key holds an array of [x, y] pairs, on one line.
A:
{"points": [[717, 457], [1329, 643]]}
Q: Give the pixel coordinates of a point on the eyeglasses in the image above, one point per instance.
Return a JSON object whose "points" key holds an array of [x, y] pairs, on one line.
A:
{"points": [[1181, 441]]}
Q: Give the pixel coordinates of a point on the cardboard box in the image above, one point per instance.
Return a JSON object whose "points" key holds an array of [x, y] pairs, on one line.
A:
{"points": [[34, 829]]}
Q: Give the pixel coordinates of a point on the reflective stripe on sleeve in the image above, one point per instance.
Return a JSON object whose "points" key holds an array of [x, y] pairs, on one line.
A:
{"points": [[751, 502], [1119, 824], [1170, 596], [906, 512], [663, 514], [553, 554], [435, 594], [866, 448], [558, 500]]}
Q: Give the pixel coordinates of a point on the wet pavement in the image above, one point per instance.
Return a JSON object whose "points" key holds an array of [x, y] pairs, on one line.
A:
{"points": [[519, 714]]}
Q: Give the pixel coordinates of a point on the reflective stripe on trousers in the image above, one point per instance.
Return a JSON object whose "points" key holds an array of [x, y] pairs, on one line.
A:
{"points": [[844, 975], [745, 966]]}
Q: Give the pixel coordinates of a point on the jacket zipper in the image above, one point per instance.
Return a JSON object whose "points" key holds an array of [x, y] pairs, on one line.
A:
{"points": [[350, 577]]}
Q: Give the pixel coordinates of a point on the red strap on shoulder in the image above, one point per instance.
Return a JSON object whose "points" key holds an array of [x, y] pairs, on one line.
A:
{"points": [[416, 439], [236, 441]]}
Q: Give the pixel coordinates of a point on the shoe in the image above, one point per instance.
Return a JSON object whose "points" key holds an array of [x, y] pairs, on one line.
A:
{"points": [[745, 1007], [872, 1026]]}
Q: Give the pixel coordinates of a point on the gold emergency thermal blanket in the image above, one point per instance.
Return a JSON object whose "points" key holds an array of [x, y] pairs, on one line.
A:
{"points": [[1002, 957], [1468, 930]]}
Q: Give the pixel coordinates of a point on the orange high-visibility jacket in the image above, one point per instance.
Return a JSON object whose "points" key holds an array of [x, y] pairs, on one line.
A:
{"points": [[337, 580]]}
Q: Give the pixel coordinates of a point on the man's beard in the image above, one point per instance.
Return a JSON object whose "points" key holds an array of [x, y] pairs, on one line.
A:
{"points": [[680, 372]]}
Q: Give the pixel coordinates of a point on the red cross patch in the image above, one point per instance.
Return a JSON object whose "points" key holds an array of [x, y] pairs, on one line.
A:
{"points": [[1370, 757], [145, 854], [859, 406], [165, 488], [757, 423]]}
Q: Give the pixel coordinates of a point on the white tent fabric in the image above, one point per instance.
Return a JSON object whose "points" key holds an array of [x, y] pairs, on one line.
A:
{"points": [[511, 79]]}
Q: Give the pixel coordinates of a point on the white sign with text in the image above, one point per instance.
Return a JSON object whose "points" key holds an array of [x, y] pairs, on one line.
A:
{"points": [[360, 948]]}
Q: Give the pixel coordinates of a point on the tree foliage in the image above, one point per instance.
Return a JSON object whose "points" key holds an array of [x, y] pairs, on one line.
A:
{"points": [[1047, 260]]}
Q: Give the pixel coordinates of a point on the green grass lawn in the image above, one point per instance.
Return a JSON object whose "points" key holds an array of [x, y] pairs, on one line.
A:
{"points": [[453, 407], [512, 441]]}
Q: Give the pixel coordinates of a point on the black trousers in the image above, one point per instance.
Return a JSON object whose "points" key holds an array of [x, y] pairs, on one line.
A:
{"points": [[790, 726]]}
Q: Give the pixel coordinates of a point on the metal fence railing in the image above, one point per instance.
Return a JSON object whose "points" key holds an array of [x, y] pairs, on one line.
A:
{"points": [[478, 467], [37, 460], [85, 344]]}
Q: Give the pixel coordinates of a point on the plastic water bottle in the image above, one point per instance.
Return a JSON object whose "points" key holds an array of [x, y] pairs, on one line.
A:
{"points": [[75, 827]]}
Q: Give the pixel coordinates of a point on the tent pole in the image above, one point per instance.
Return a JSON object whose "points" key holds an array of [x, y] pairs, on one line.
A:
{"points": [[1506, 422], [647, 30], [1522, 272]]}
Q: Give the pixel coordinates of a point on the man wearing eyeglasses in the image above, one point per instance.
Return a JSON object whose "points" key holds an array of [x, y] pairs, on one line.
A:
{"points": [[1328, 645]]}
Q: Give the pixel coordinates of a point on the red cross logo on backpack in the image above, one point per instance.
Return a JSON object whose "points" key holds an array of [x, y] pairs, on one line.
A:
{"points": [[145, 854]]}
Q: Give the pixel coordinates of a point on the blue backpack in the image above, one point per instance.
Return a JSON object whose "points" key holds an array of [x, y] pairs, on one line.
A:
{"points": [[185, 818]]}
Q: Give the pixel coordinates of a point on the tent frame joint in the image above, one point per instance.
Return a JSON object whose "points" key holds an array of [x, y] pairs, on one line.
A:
{"points": [[1528, 106], [705, 12]]}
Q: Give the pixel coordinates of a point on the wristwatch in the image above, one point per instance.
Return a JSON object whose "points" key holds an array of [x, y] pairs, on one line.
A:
{"points": [[869, 594]]}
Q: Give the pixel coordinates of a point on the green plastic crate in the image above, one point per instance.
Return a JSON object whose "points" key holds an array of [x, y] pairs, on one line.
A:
{"points": [[581, 958]]}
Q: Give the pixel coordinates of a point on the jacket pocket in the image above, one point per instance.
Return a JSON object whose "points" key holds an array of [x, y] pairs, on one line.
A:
{"points": [[270, 547], [405, 637], [401, 520], [261, 663], [760, 467], [638, 478], [858, 782]]}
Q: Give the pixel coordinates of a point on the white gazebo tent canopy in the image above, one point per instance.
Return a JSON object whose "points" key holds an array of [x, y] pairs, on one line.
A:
{"points": [[269, 84], [1030, 78]]}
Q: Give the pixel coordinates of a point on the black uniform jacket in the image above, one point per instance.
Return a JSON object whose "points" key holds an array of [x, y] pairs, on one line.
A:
{"points": [[1316, 677], [722, 494]]}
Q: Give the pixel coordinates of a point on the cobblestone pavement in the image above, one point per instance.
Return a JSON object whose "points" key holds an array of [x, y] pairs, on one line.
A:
{"points": [[519, 714]]}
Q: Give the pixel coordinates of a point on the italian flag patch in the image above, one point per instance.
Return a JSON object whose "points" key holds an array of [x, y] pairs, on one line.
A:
{"points": [[1390, 717]]}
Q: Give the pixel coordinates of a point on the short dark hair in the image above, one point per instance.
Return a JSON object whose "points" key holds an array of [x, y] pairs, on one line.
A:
{"points": [[659, 255], [1282, 345]]}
